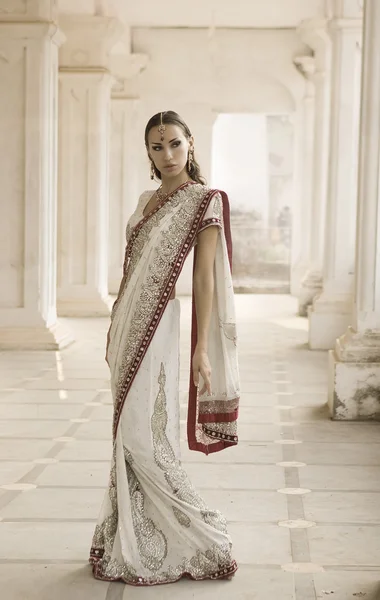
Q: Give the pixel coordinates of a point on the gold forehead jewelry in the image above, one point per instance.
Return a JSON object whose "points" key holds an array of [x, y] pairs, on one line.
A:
{"points": [[162, 129]]}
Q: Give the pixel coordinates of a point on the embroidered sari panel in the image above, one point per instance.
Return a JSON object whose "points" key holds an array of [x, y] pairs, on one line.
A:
{"points": [[157, 247]]}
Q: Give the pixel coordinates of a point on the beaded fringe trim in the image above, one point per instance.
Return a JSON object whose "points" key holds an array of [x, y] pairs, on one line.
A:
{"points": [[218, 435]]}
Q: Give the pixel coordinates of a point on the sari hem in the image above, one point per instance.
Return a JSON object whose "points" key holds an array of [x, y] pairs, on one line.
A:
{"points": [[211, 448], [224, 573]]}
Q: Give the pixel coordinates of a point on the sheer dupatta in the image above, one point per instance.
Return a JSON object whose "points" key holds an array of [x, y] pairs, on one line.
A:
{"points": [[212, 420], [156, 251]]}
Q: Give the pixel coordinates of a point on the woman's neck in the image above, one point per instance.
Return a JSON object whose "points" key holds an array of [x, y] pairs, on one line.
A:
{"points": [[169, 184]]}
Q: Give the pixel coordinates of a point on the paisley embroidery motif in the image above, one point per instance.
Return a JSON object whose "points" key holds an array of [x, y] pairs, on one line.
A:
{"points": [[166, 460], [182, 519], [151, 542]]}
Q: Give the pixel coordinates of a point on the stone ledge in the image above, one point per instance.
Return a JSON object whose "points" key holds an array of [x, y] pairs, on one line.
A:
{"points": [[35, 338]]}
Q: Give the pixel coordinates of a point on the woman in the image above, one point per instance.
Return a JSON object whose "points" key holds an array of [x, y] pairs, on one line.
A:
{"points": [[154, 527]]}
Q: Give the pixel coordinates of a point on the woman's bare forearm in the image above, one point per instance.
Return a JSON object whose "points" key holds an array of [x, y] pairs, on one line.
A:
{"points": [[203, 293]]}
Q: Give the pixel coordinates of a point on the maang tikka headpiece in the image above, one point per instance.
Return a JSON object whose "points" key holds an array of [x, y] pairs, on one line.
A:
{"points": [[162, 129]]}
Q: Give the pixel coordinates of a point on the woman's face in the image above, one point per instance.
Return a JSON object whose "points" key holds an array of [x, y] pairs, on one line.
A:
{"points": [[170, 155]]}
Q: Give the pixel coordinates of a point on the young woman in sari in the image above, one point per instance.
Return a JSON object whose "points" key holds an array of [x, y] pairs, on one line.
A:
{"points": [[154, 527]]}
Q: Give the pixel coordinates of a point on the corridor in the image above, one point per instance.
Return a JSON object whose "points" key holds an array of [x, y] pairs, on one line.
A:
{"points": [[301, 493]]}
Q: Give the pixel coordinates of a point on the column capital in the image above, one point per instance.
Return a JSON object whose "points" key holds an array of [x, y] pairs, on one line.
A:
{"points": [[306, 65], [89, 40], [348, 25], [31, 31], [344, 9], [315, 33], [86, 78], [28, 10]]}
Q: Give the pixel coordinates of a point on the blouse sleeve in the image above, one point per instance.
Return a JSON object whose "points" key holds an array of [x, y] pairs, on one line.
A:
{"points": [[214, 213]]}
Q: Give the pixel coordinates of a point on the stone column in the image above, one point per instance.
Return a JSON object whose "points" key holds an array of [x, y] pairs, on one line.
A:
{"points": [[315, 34], [331, 311], [124, 191], [84, 136], [126, 142], [28, 150], [301, 223], [354, 364]]}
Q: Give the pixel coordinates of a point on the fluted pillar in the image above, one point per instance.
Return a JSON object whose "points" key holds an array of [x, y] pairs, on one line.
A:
{"points": [[315, 34], [331, 311], [354, 364], [301, 222], [124, 191], [84, 146], [126, 139], [29, 43]]}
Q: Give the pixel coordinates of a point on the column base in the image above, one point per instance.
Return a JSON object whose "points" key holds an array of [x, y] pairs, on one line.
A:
{"points": [[84, 305], [328, 319], [35, 338], [297, 275], [354, 378], [312, 285]]}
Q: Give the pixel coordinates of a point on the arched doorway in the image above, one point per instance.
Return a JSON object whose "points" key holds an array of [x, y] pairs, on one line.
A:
{"points": [[252, 160]]}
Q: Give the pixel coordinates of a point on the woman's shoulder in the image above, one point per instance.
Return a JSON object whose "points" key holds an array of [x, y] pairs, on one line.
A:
{"points": [[207, 189]]}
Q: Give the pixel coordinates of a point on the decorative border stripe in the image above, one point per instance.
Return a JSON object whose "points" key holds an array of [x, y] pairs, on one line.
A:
{"points": [[220, 436], [218, 417], [209, 222]]}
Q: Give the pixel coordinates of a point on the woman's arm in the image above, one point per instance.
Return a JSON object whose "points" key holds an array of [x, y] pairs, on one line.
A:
{"points": [[203, 283]]}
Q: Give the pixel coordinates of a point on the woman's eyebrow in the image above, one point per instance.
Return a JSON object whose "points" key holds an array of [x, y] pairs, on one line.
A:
{"points": [[158, 143]]}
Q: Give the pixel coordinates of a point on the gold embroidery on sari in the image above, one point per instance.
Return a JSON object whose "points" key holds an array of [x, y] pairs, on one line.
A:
{"points": [[211, 406], [214, 563], [215, 519], [151, 542], [166, 460], [164, 455], [182, 519]]}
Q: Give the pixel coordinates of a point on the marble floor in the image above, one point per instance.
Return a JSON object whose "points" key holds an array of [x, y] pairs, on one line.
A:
{"points": [[301, 493]]}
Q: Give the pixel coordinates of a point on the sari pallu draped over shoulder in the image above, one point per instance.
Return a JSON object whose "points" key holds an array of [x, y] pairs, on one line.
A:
{"points": [[156, 251]]}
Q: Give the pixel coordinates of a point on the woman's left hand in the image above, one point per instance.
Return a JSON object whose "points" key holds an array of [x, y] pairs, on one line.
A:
{"points": [[201, 366]]}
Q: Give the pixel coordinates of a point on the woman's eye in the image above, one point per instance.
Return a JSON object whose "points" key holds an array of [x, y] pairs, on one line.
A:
{"points": [[157, 148], [176, 144]]}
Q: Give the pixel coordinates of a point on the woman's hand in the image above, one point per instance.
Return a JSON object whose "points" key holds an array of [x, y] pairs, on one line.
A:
{"points": [[201, 365]]}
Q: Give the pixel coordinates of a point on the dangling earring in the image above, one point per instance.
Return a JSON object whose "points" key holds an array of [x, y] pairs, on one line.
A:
{"points": [[152, 172], [190, 159]]}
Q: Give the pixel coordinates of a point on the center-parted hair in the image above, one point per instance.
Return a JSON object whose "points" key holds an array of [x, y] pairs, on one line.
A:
{"points": [[169, 117]]}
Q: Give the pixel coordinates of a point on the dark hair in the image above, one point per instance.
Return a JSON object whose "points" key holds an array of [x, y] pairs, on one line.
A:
{"points": [[169, 117]]}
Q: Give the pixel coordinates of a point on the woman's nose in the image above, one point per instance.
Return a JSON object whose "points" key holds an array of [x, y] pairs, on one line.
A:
{"points": [[168, 154]]}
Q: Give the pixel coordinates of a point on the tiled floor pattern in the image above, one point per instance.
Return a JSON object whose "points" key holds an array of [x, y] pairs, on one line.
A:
{"points": [[301, 493]]}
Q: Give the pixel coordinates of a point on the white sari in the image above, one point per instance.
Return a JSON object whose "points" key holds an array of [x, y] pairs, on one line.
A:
{"points": [[154, 527]]}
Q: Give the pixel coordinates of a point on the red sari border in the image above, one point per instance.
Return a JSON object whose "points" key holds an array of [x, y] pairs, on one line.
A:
{"points": [[175, 272]]}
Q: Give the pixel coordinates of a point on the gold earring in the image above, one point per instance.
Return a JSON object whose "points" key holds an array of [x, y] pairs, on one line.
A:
{"points": [[152, 172], [190, 160]]}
